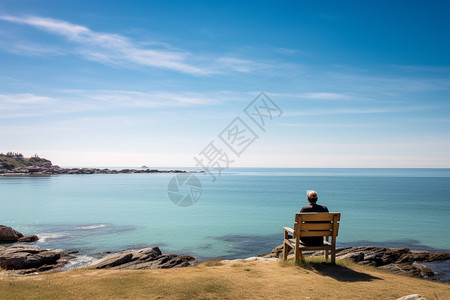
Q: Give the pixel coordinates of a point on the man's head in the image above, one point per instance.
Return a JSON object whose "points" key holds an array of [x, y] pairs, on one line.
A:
{"points": [[312, 197]]}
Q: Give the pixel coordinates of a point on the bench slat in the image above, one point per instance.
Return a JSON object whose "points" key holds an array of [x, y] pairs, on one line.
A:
{"points": [[316, 226], [316, 217], [316, 233]]}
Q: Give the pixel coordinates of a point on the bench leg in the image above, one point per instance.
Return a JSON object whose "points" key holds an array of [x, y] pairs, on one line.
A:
{"points": [[298, 254], [286, 250], [301, 256], [326, 255], [333, 255]]}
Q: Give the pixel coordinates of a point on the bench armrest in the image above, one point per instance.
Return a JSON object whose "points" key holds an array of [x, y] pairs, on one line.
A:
{"points": [[288, 230]]}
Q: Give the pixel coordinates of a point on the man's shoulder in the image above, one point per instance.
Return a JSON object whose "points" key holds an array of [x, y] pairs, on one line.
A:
{"points": [[314, 208], [306, 208]]}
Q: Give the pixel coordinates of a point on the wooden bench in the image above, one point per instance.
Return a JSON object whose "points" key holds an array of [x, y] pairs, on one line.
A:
{"points": [[312, 225]]}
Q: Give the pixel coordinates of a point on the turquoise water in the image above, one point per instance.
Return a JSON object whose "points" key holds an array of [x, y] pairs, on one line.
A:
{"points": [[239, 215]]}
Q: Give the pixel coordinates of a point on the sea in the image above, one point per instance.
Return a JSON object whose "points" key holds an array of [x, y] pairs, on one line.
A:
{"points": [[239, 213]]}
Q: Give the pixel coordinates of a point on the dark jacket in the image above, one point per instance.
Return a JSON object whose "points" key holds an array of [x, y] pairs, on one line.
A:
{"points": [[313, 240]]}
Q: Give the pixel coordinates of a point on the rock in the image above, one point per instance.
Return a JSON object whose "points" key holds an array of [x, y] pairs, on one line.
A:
{"points": [[114, 260], [411, 297], [28, 239], [410, 270], [375, 256], [276, 252], [396, 260], [147, 258], [24, 260], [9, 235], [429, 256]]}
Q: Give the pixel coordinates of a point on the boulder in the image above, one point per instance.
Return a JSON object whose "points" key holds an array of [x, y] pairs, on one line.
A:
{"points": [[147, 258], [411, 297], [24, 260], [9, 235], [28, 239]]}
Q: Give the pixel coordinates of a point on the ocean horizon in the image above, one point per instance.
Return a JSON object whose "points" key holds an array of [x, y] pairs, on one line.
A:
{"points": [[239, 215]]}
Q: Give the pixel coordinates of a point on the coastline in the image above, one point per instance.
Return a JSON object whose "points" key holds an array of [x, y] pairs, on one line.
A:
{"points": [[56, 170], [149, 274], [401, 261], [15, 164]]}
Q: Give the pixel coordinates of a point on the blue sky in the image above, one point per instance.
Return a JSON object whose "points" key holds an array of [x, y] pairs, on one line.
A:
{"points": [[128, 83]]}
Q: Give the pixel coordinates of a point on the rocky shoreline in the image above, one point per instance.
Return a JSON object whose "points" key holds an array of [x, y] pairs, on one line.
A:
{"points": [[25, 260], [402, 261], [22, 260], [56, 170], [14, 164]]}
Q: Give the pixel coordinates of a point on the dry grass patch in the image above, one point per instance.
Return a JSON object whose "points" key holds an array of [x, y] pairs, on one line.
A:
{"points": [[223, 280]]}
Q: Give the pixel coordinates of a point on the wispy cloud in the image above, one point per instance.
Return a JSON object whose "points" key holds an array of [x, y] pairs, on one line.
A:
{"points": [[240, 65], [317, 96], [29, 48], [324, 96], [387, 84], [357, 111], [72, 101], [111, 48], [421, 68], [149, 99], [115, 49], [287, 51], [18, 105], [24, 99], [332, 125]]}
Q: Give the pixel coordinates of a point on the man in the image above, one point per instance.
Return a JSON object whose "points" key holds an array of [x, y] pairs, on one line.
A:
{"points": [[312, 198]]}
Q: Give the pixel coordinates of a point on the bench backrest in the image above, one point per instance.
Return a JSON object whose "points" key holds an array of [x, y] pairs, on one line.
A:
{"points": [[316, 224]]}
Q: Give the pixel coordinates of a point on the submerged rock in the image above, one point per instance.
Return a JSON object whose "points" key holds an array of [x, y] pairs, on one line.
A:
{"points": [[28, 239], [147, 258]]}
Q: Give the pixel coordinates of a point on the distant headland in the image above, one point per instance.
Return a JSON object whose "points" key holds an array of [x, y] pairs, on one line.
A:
{"points": [[15, 164]]}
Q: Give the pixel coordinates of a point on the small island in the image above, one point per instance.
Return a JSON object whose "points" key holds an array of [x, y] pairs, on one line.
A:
{"points": [[15, 164]]}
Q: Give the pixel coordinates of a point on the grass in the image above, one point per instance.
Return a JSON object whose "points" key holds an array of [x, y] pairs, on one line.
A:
{"points": [[223, 280]]}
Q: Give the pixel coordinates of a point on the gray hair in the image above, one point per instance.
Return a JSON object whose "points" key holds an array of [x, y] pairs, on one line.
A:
{"points": [[312, 195]]}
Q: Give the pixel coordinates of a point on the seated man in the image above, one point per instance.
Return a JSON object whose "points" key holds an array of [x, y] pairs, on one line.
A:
{"points": [[312, 198]]}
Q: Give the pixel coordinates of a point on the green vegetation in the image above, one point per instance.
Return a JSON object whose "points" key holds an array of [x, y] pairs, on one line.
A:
{"points": [[12, 160]]}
